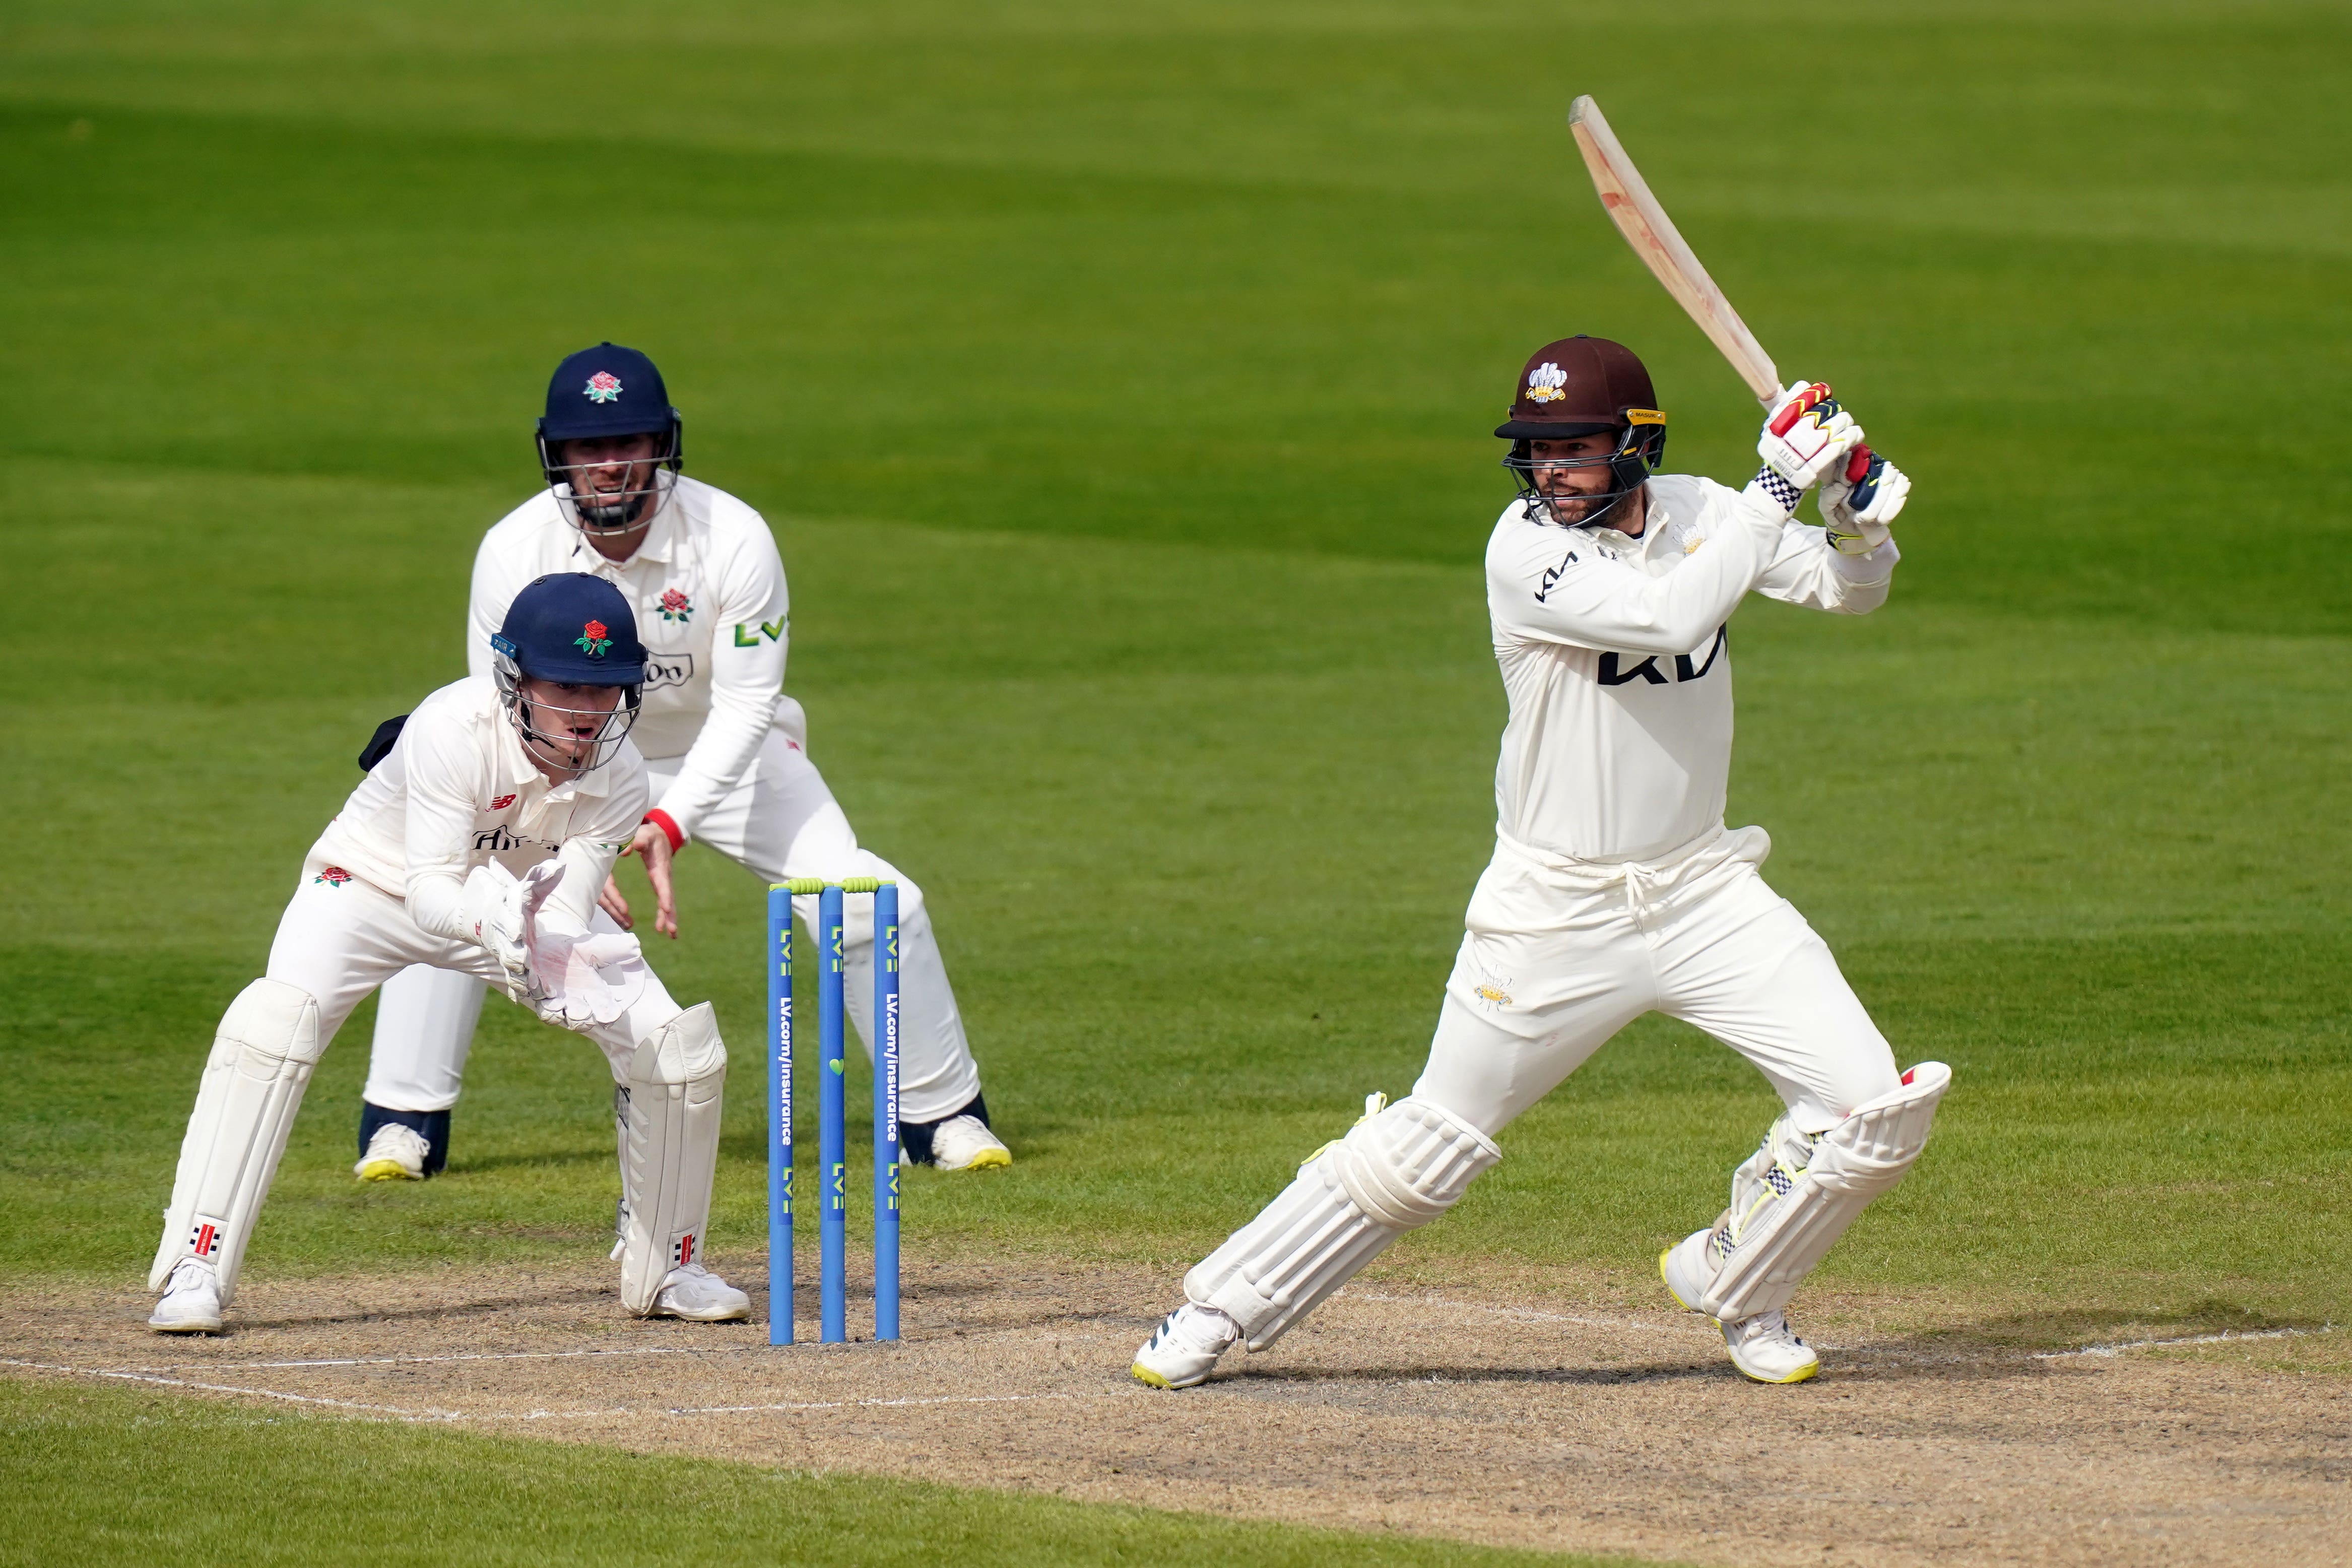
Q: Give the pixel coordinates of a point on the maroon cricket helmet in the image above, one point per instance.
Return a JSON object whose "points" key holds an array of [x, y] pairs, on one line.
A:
{"points": [[1580, 386]]}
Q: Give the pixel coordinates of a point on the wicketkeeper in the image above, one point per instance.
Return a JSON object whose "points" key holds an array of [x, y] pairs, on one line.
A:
{"points": [[727, 756], [476, 845], [1615, 888]]}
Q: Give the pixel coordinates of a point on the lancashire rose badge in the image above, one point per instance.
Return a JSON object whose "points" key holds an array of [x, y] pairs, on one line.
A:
{"points": [[594, 637], [604, 387]]}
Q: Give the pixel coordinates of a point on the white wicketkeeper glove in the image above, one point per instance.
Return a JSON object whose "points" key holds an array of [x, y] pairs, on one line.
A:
{"points": [[1861, 500], [501, 909], [1805, 436], [580, 979]]}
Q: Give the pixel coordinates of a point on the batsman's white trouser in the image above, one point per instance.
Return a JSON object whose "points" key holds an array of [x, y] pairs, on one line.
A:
{"points": [[339, 939], [780, 823], [1558, 957]]}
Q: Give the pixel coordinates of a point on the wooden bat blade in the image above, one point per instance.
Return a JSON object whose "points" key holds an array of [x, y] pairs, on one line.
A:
{"points": [[1652, 236]]}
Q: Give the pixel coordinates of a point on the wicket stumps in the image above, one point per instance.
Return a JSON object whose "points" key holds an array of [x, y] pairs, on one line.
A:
{"points": [[831, 1159]]}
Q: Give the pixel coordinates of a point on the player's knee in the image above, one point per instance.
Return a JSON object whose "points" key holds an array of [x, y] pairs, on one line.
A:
{"points": [[685, 1050], [274, 1021], [1410, 1162]]}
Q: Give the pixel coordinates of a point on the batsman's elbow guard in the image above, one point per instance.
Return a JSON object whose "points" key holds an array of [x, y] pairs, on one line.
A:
{"points": [[1394, 1170], [1785, 1215]]}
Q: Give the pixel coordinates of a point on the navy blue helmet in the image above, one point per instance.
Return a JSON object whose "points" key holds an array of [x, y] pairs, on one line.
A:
{"points": [[577, 630], [600, 393]]}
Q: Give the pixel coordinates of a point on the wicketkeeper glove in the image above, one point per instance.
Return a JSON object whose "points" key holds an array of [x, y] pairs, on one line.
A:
{"points": [[578, 979], [501, 909], [1861, 500]]}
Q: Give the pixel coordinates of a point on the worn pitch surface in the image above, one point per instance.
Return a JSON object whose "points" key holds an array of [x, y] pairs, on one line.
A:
{"points": [[1469, 1413]]}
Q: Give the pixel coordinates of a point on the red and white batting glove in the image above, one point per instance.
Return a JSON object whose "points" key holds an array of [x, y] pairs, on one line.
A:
{"points": [[1805, 436], [1861, 500]]}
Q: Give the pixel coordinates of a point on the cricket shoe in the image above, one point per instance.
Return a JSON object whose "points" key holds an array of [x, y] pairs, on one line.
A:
{"points": [[396, 1153], [1183, 1350], [1763, 1346], [699, 1296], [965, 1143], [1766, 1349], [190, 1303]]}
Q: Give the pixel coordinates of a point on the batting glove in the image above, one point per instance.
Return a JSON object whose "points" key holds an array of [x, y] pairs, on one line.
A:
{"points": [[1806, 435], [1860, 501]]}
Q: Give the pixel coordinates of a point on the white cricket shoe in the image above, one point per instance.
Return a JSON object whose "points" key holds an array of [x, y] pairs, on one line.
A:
{"points": [[1766, 1349], [699, 1296], [1184, 1348], [190, 1303], [1763, 1347], [396, 1153], [965, 1143]]}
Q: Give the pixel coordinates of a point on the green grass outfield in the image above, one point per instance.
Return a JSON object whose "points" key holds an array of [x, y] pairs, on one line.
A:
{"points": [[1118, 382]]}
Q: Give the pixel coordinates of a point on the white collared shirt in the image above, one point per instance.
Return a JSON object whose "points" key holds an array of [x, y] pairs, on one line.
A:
{"points": [[457, 792], [1617, 662], [707, 587]]}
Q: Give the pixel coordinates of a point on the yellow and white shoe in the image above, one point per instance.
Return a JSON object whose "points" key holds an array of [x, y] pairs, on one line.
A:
{"points": [[1685, 1269], [1766, 1350], [396, 1153], [1183, 1350], [965, 1143]]}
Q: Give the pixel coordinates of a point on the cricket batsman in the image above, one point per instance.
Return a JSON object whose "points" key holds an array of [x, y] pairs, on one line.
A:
{"points": [[726, 756], [476, 845], [1615, 888]]}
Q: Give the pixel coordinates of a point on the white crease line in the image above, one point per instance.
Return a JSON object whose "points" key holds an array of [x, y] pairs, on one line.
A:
{"points": [[2191, 1339], [406, 1414], [416, 1360]]}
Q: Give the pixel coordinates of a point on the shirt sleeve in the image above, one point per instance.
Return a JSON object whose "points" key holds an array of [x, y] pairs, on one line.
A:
{"points": [[447, 773], [1805, 570], [1551, 584], [747, 676]]}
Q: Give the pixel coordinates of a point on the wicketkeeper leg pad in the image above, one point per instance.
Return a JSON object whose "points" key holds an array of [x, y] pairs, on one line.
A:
{"points": [[669, 1134], [1395, 1171], [1795, 1196], [261, 1060]]}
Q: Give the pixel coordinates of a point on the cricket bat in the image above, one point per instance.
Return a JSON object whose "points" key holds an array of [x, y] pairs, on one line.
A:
{"points": [[1652, 234]]}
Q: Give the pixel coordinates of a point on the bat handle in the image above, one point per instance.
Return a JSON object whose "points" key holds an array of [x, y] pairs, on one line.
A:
{"points": [[1814, 394]]}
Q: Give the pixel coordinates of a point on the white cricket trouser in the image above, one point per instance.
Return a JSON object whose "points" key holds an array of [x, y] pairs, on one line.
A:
{"points": [[780, 823], [341, 939], [1559, 955]]}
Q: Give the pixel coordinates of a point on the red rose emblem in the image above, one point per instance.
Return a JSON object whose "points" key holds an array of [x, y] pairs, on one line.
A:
{"points": [[595, 629]]}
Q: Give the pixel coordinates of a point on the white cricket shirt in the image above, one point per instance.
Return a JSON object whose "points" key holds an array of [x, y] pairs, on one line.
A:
{"points": [[1618, 666], [457, 792], [708, 587]]}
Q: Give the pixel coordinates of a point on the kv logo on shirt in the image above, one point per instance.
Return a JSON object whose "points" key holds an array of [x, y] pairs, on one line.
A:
{"points": [[1647, 670], [749, 635]]}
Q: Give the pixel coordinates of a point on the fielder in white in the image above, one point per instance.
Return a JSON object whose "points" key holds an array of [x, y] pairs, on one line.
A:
{"points": [[476, 844], [1615, 888], [726, 755]]}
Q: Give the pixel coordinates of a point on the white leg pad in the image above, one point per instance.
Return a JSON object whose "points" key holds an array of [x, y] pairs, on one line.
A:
{"points": [[260, 1063], [670, 1137], [1395, 1171], [1795, 1196]]}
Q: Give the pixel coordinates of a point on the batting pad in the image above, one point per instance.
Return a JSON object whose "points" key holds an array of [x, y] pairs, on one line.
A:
{"points": [[261, 1060], [1785, 1218], [670, 1150], [1395, 1171]]}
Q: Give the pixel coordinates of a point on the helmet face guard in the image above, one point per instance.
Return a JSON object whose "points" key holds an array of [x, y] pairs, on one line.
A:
{"points": [[1640, 447], [615, 511], [547, 729]]}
